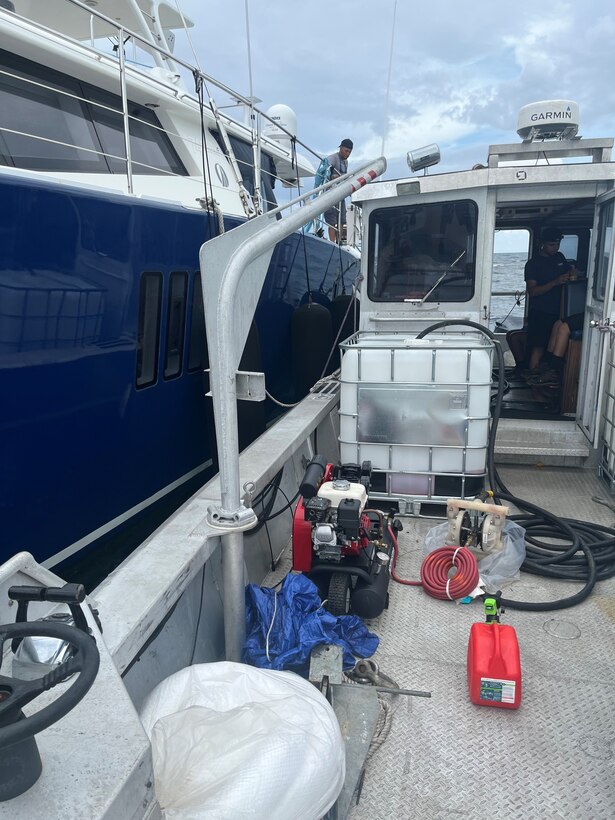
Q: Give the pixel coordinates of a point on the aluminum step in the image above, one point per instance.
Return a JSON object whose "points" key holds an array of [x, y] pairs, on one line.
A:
{"points": [[526, 441]]}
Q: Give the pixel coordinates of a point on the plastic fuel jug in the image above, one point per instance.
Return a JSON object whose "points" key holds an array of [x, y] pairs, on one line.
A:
{"points": [[494, 663]]}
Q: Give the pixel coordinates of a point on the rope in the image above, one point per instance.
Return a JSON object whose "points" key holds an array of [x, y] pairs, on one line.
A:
{"points": [[382, 728], [280, 403], [341, 327], [517, 303], [199, 84], [275, 609], [196, 59], [322, 380]]}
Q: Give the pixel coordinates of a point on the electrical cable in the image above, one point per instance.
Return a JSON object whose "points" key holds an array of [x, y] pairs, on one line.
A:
{"points": [[285, 507], [198, 617], [587, 553], [340, 329]]}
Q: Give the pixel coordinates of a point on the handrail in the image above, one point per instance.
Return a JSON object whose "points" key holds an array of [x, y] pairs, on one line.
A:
{"points": [[173, 59], [237, 265], [164, 58]]}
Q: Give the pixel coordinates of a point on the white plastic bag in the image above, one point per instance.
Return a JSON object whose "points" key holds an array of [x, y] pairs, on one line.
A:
{"points": [[230, 741], [498, 567]]}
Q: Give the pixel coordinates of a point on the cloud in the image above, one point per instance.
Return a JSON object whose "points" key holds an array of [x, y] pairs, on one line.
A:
{"points": [[460, 73]]}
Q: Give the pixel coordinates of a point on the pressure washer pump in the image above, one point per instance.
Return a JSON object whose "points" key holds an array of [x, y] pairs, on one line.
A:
{"points": [[337, 543]]}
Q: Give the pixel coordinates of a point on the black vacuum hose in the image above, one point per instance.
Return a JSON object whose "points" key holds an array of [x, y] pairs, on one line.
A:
{"points": [[588, 551]]}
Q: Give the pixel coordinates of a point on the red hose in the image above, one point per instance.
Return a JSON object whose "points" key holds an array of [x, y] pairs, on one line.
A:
{"points": [[394, 575], [435, 573]]}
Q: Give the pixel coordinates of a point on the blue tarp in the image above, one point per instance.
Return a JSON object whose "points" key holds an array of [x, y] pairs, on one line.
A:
{"points": [[282, 627]]}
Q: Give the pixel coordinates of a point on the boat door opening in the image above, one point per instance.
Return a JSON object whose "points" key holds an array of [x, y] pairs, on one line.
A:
{"points": [[596, 412]]}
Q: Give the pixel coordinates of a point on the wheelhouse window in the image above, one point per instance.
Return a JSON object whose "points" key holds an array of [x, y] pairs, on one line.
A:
{"points": [[53, 122], [423, 252], [148, 331], [176, 325]]}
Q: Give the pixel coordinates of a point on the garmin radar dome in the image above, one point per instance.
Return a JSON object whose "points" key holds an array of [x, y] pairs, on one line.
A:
{"points": [[548, 120]]}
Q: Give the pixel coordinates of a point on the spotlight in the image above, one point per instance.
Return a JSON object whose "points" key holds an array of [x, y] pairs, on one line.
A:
{"points": [[423, 157]]}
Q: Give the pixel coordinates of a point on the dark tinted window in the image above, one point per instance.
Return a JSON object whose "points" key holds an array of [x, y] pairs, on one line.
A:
{"points": [[53, 122], [245, 159], [176, 324], [63, 137], [148, 333], [415, 249], [197, 346]]}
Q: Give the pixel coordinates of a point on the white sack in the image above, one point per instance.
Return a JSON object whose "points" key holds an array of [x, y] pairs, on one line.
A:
{"points": [[230, 741]]}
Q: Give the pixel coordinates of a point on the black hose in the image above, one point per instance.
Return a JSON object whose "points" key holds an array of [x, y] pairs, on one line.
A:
{"points": [[495, 416], [587, 553]]}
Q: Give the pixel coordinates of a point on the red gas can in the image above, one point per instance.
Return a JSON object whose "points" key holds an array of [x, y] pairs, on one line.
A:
{"points": [[494, 666]]}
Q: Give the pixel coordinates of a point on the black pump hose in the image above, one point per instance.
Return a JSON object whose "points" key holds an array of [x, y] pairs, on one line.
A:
{"points": [[563, 560], [500, 394]]}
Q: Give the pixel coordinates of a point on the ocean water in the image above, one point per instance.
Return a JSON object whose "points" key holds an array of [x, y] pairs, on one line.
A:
{"points": [[508, 276]]}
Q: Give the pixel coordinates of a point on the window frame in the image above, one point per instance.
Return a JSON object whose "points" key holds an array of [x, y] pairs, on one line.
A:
{"points": [[148, 335]]}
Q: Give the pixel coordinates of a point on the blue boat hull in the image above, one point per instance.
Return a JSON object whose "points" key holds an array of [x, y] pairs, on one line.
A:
{"points": [[84, 449]]}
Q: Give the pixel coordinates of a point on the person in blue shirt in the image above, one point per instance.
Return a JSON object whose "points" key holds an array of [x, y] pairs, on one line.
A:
{"points": [[545, 273], [338, 166]]}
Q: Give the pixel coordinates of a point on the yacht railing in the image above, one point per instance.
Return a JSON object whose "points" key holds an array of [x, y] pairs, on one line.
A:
{"points": [[214, 114]]}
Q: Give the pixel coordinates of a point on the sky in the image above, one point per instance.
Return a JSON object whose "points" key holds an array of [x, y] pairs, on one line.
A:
{"points": [[459, 72]]}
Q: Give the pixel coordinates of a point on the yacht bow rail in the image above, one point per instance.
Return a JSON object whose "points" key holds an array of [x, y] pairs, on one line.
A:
{"points": [[166, 74]]}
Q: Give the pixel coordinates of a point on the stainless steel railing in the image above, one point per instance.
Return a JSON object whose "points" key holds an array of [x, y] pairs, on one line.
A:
{"points": [[148, 42]]}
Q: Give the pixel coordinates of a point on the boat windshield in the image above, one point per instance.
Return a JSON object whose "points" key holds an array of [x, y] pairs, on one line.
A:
{"points": [[423, 252]]}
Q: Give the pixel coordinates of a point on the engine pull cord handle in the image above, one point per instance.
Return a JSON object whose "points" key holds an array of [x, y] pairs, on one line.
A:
{"points": [[71, 594]]}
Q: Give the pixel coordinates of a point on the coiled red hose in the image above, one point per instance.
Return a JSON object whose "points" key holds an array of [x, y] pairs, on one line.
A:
{"points": [[435, 571]]}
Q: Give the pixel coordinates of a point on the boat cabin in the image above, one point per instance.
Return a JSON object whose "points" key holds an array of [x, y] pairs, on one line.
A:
{"points": [[430, 254]]}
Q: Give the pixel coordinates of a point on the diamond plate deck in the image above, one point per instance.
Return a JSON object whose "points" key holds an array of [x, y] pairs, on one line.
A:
{"points": [[555, 756], [446, 758]]}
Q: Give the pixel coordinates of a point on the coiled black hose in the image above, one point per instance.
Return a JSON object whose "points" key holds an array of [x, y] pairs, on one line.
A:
{"points": [[586, 551]]}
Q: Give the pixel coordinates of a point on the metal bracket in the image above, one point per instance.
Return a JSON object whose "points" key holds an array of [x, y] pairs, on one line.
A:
{"points": [[238, 520], [249, 385]]}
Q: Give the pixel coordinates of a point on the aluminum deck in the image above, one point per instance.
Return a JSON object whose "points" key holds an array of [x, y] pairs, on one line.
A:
{"points": [[554, 757]]}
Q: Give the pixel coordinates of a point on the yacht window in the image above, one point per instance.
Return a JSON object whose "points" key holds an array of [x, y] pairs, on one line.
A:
{"points": [[245, 160], [53, 122], [197, 345], [176, 323], [148, 332], [415, 249], [151, 150], [45, 128]]}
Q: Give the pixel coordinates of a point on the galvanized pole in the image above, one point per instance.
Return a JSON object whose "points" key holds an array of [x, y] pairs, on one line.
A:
{"points": [[230, 298]]}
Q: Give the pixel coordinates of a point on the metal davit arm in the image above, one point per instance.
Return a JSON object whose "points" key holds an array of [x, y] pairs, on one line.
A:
{"points": [[233, 268]]}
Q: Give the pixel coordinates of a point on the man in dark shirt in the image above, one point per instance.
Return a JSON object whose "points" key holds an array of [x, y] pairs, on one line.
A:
{"points": [[545, 273]]}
